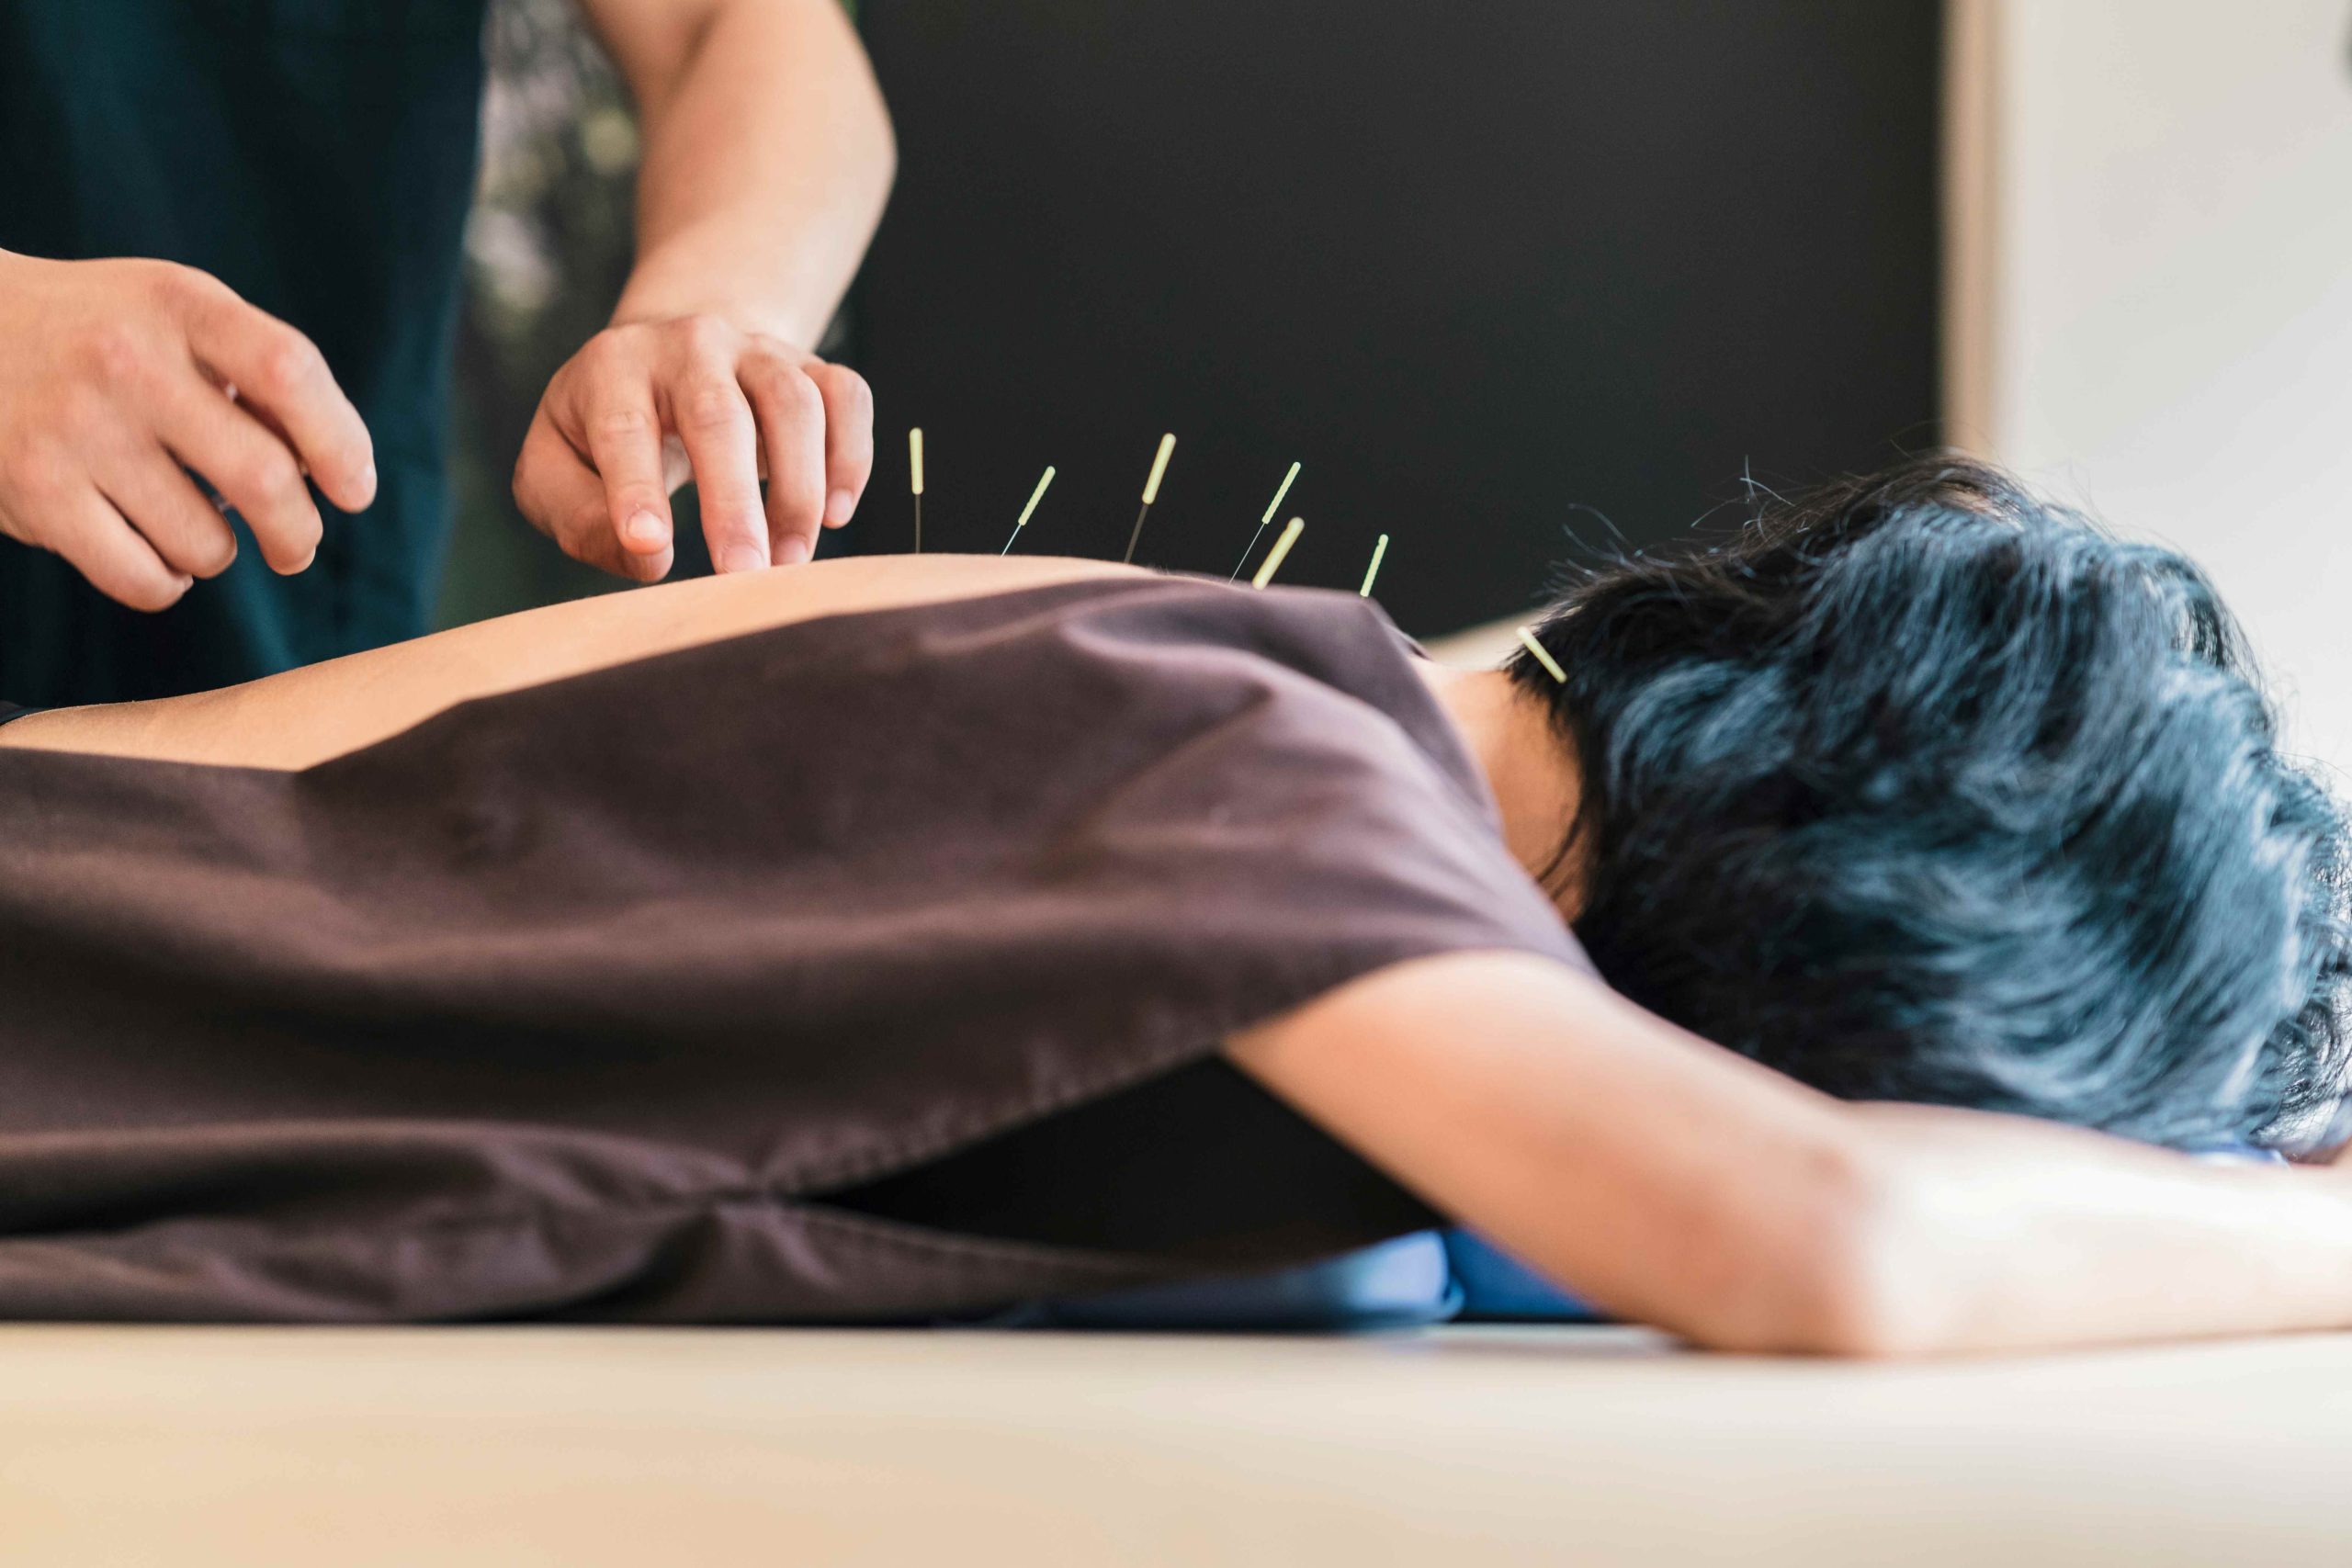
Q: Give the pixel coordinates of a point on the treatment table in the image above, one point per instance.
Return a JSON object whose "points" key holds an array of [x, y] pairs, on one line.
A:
{"points": [[1445, 1448]]}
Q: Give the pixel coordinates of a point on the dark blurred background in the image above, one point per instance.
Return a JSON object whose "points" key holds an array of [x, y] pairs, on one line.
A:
{"points": [[1490, 273]]}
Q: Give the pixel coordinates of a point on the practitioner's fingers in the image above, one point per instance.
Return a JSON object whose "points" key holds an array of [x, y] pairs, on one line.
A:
{"points": [[598, 419], [253, 469], [97, 540], [154, 494], [567, 501], [791, 413], [282, 373], [709, 411], [624, 439], [733, 405], [849, 438]]}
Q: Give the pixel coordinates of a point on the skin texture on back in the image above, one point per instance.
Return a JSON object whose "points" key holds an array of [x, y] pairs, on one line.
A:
{"points": [[307, 716]]}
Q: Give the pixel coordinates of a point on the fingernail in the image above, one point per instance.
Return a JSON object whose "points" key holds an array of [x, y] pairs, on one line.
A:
{"points": [[838, 506], [368, 484], [644, 530], [742, 557], [791, 550]]}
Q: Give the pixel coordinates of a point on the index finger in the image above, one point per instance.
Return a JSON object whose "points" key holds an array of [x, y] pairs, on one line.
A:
{"points": [[624, 441], [849, 438], [284, 377]]}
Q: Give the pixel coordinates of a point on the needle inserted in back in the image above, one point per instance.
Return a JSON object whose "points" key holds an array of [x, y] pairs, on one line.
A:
{"points": [[1022, 521], [1273, 562], [1150, 492], [914, 465], [1271, 507]]}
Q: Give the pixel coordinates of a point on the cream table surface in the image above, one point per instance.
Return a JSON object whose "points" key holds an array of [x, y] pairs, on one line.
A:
{"points": [[1441, 1450]]}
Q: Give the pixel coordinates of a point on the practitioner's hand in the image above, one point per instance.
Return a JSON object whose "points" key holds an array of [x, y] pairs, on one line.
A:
{"points": [[119, 376], [646, 405]]}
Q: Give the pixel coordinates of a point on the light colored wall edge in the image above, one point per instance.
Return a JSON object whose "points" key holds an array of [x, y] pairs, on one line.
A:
{"points": [[1973, 32]]}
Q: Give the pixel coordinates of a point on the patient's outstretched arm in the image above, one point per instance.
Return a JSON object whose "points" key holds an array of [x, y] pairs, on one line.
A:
{"points": [[1675, 1182]]}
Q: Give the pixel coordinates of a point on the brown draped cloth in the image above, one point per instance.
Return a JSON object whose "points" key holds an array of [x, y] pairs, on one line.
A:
{"points": [[868, 968]]}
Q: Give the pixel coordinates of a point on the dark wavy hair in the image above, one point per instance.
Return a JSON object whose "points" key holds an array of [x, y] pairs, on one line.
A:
{"points": [[1922, 788]]}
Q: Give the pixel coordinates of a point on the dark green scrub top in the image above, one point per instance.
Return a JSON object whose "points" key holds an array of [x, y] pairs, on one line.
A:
{"points": [[317, 156]]}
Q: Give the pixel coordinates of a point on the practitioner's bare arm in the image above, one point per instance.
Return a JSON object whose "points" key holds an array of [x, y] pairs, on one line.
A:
{"points": [[308, 716], [1674, 1182], [767, 157]]}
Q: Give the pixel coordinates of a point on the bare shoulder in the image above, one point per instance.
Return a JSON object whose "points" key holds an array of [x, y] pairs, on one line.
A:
{"points": [[308, 716]]}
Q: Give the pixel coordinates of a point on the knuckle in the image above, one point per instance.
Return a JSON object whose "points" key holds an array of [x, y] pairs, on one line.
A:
{"points": [[141, 593], [806, 397], [269, 479], [839, 380], [118, 358], [604, 354], [211, 551], [152, 591], [808, 387], [39, 467], [790, 394], [219, 554], [140, 583], [288, 363], [712, 407], [297, 539], [759, 374], [175, 285], [710, 337], [620, 423], [852, 389]]}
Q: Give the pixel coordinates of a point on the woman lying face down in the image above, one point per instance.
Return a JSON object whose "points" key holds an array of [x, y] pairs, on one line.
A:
{"points": [[1916, 792]]}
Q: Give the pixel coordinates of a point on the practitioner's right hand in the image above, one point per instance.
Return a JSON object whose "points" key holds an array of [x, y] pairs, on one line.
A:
{"points": [[118, 377]]}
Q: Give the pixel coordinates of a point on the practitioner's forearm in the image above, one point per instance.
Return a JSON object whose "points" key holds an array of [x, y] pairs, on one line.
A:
{"points": [[768, 154]]}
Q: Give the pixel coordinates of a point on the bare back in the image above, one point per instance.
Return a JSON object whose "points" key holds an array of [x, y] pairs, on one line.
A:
{"points": [[307, 716]]}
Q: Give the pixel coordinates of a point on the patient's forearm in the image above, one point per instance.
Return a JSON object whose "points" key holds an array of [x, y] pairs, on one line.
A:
{"points": [[1999, 1233], [1673, 1182]]}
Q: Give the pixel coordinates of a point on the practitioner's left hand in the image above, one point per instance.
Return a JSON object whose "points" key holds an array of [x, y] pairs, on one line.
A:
{"points": [[646, 405]]}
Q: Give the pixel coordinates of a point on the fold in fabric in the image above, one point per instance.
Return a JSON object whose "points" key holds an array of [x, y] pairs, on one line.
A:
{"points": [[866, 968]]}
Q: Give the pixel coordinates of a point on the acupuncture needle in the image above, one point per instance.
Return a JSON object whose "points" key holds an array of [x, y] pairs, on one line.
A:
{"points": [[1271, 507], [1034, 497], [1150, 493]]}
